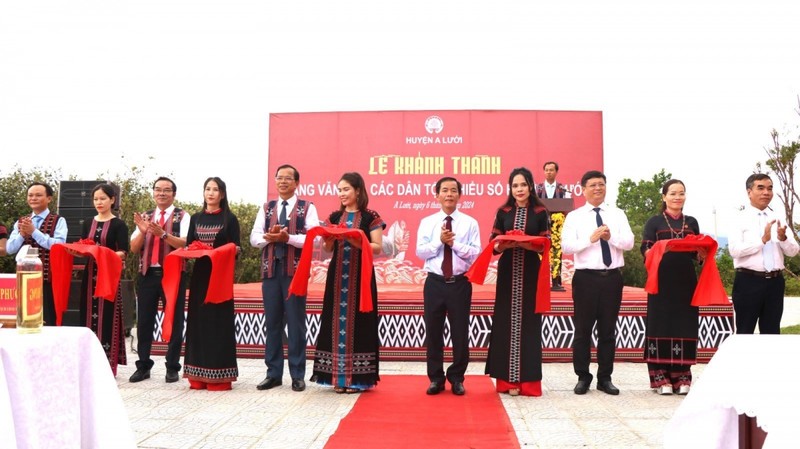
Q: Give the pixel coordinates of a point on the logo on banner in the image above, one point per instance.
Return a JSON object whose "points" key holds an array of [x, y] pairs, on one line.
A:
{"points": [[434, 124]]}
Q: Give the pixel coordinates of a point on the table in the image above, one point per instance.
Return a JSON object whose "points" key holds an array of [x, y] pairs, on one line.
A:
{"points": [[754, 375], [57, 391]]}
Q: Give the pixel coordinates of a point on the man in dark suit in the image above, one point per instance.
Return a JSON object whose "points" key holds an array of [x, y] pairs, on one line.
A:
{"points": [[549, 189]]}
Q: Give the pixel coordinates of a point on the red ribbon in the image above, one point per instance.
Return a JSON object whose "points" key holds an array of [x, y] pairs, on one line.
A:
{"points": [[477, 272], [109, 270], [299, 285], [220, 285], [709, 290]]}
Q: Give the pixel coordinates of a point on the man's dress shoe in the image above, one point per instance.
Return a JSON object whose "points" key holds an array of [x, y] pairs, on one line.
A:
{"points": [[458, 388], [435, 388], [139, 375], [298, 385], [269, 382], [607, 387], [172, 376], [582, 386]]}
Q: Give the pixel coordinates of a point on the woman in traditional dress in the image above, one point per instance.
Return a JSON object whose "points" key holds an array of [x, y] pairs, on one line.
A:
{"points": [[210, 360], [671, 319], [347, 347], [102, 316], [515, 344]]}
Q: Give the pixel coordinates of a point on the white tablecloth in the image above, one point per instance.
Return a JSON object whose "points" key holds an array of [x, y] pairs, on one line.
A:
{"points": [[752, 374], [57, 391]]}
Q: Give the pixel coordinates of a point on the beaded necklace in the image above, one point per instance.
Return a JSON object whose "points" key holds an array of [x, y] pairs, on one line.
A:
{"points": [[673, 234]]}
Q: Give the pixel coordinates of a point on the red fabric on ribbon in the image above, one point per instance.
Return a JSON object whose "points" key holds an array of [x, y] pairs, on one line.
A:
{"points": [[477, 272], [709, 290], [109, 270], [220, 285], [299, 285]]}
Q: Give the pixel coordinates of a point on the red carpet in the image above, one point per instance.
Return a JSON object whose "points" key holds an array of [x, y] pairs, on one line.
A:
{"points": [[398, 414]]}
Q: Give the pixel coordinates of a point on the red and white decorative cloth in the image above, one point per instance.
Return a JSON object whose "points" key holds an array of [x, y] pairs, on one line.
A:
{"points": [[709, 290], [477, 272], [109, 270], [299, 285], [220, 285]]}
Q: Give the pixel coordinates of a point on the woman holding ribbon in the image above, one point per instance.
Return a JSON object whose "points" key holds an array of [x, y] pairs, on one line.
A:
{"points": [[100, 315], [670, 346], [515, 344], [210, 360], [347, 347]]}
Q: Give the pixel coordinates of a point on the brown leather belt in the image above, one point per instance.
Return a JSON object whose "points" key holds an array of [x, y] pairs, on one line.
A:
{"points": [[761, 274]]}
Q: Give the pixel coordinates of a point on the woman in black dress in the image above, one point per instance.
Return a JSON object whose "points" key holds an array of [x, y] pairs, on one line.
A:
{"points": [[670, 346], [347, 347], [210, 360], [102, 316], [515, 344]]}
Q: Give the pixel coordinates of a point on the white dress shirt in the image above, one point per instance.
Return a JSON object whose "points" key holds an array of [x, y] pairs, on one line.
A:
{"points": [[745, 245], [578, 228], [183, 232], [550, 189], [466, 246], [297, 240]]}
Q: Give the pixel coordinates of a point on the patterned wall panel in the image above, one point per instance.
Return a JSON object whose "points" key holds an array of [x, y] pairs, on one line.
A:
{"points": [[402, 336]]}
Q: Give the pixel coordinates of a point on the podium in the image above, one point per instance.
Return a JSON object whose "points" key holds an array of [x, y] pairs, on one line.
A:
{"points": [[557, 206], [562, 205]]}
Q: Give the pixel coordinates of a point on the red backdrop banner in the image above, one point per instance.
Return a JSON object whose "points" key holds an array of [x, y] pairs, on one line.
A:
{"points": [[401, 155]]}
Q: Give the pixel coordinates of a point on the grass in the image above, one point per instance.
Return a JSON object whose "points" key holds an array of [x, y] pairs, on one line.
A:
{"points": [[791, 329]]}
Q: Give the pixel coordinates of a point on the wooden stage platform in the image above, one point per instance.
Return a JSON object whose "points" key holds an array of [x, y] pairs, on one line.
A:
{"points": [[402, 330]]}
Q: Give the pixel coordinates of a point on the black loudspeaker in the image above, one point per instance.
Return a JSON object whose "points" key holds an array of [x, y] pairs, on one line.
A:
{"points": [[78, 194], [75, 205]]}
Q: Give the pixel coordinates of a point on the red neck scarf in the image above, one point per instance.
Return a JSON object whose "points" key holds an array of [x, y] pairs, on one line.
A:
{"points": [[109, 270], [299, 285], [477, 272], [220, 285], [709, 290]]}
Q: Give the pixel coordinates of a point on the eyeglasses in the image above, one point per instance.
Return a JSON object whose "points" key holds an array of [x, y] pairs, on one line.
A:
{"points": [[158, 190], [284, 178], [596, 186]]}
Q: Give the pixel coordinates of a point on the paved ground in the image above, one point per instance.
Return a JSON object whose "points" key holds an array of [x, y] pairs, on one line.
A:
{"points": [[171, 416]]}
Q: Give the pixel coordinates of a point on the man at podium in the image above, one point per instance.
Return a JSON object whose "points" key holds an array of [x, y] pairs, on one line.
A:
{"points": [[552, 189]]}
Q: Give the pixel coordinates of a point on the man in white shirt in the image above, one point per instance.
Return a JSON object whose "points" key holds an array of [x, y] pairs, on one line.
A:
{"points": [[758, 244], [597, 234], [280, 231], [448, 241], [550, 189], [41, 229], [158, 232]]}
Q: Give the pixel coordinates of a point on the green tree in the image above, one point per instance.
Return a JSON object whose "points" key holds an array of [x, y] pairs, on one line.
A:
{"points": [[14, 200], [248, 267], [725, 267], [781, 159], [640, 201]]}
